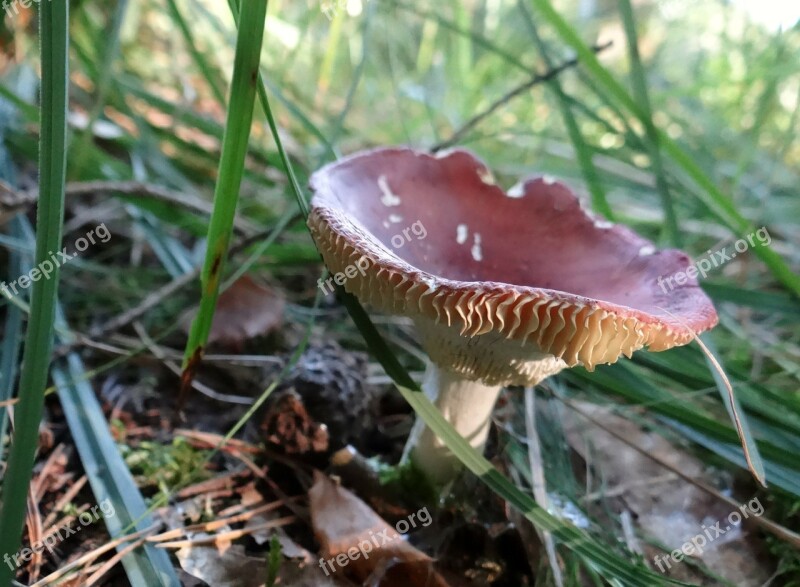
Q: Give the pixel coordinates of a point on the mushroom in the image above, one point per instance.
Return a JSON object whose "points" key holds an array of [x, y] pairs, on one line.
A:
{"points": [[504, 288]]}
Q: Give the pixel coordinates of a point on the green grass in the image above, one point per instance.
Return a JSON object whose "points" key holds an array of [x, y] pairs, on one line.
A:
{"points": [[53, 31], [229, 180], [687, 142], [671, 232], [583, 151]]}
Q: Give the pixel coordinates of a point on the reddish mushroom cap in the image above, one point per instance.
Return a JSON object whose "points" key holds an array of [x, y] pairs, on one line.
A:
{"points": [[500, 283]]}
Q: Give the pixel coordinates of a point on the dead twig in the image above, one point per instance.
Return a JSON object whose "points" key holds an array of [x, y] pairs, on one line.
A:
{"points": [[64, 500], [150, 301], [112, 562], [539, 485], [156, 297], [227, 536], [175, 368], [216, 441], [225, 483], [90, 557], [155, 192], [537, 79], [214, 525], [36, 490]]}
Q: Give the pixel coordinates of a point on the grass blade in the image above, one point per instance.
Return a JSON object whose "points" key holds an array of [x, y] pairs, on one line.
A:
{"points": [[582, 149], [765, 301], [54, 38], [108, 474], [749, 446], [111, 39], [205, 68], [639, 82], [231, 168]]}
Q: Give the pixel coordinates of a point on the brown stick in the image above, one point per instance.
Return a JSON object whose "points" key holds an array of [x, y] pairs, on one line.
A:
{"points": [[505, 99]]}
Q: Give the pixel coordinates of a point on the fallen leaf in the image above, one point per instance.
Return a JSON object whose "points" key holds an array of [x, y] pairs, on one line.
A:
{"points": [[246, 310], [233, 568], [665, 507], [358, 542], [289, 548], [297, 574], [236, 569]]}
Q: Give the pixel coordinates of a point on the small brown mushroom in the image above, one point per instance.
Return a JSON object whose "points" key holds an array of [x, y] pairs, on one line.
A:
{"points": [[504, 288]]}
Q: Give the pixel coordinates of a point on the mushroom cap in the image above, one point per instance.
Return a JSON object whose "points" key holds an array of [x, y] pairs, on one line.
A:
{"points": [[503, 287]]}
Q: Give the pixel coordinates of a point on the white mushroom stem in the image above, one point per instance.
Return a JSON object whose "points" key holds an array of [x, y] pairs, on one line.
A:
{"points": [[467, 405]]}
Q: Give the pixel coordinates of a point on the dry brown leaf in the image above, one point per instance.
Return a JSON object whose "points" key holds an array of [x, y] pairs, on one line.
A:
{"points": [[300, 574], [233, 568], [358, 542], [246, 310], [664, 506], [262, 535]]}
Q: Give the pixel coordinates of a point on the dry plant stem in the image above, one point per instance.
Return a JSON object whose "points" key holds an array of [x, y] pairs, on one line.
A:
{"points": [[539, 485], [12, 201], [467, 405], [505, 99]]}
